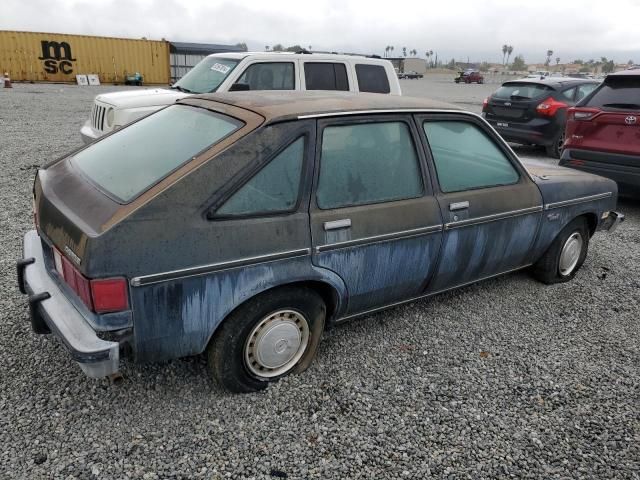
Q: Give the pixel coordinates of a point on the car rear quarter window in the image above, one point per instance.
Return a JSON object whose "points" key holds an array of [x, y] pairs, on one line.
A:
{"points": [[466, 158], [372, 78], [133, 159], [326, 76], [522, 90], [616, 93], [367, 163], [273, 189], [269, 76]]}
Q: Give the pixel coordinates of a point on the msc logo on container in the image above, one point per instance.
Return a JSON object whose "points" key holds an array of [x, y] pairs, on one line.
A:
{"points": [[57, 57]]}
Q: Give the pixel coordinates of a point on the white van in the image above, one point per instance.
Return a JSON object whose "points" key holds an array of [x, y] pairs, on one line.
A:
{"points": [[225, 72]]}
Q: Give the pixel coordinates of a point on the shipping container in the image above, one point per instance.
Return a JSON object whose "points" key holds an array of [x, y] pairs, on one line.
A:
{"points": [[53, 57]]}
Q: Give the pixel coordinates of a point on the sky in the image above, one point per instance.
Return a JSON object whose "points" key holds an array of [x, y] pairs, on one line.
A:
{"points": [[457, 29]]}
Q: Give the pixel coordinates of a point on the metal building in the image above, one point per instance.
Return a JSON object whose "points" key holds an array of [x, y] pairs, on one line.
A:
{"points": [[185, 56]]}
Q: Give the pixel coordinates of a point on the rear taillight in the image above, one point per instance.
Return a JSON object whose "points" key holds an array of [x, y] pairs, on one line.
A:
{"points": [[109, 295], [549, 107], [582, 114], [99, 295], [485, 102]]}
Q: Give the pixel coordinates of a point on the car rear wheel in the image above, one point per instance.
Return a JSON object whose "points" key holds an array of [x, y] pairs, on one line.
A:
{"points": [[555, 149], [267, 338], [566, 254]]}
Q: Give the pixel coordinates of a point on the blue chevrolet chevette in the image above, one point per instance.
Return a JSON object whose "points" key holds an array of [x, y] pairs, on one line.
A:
{"points": [[241, 225]]}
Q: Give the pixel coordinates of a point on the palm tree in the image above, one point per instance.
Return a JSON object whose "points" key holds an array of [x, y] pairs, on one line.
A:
{"points": [[387, 50], [509, 52], [505, 48], [549, 54], [557, 63]]}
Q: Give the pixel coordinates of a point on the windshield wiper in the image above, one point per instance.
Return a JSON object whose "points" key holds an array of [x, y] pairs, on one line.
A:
{"points": [[622, 105], [182, 89]]}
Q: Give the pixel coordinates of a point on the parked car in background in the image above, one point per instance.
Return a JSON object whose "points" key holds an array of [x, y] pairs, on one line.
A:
{"points": [[241, 224], [469, 76], [410, 75], [603, 132], [242, 71], [533, 111]]}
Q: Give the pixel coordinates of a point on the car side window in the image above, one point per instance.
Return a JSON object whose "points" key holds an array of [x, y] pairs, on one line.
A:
{"points": [[326, 76], [269, 76], [467, 158], [584, 90], [273, 189], [372, 78], [367, 163], [569, 93]]}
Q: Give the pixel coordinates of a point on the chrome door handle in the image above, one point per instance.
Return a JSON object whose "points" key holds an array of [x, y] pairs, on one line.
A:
{"points": [[458, 206], [336, 224]]}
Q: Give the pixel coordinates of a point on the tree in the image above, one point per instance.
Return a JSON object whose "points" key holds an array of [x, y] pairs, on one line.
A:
{"points": [[386, 50], [518, 64], [578, 61], [630, 63], [549, 55], [413, 52], [452, 64], [505, 48], [608, 67], [266, 48], [243, 46], [484, 67], [277, 47], [404, 51], [509, 52]]}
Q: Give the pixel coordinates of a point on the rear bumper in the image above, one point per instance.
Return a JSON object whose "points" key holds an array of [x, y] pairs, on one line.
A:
{"points": [[88, 133], [617, 167], [51, 311], [536, 132]]}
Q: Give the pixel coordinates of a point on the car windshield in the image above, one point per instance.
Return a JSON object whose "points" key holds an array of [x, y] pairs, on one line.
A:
{"points": [[616, 93], [133, 159], [522, 90], [206, 76]]}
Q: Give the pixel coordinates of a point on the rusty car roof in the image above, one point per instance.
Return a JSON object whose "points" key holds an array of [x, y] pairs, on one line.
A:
{"points": [[282, 105]]}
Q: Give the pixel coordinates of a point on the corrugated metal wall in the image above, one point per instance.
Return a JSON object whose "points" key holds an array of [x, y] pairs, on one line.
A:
{"points": [[54, 57], [181, 63]]}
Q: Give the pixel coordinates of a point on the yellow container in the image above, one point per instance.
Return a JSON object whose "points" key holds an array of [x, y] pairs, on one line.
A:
{"points": [[53, 57]]}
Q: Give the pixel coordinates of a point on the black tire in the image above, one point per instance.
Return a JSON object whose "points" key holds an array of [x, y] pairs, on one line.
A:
{"points": [[555, 149], [548, 268], [228, 348]]}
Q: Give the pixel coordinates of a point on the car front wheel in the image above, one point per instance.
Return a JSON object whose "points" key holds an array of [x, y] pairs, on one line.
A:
{"points": [[267, 338], [566, 254]]}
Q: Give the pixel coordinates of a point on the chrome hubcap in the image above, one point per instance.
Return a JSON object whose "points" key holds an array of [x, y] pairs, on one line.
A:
{"points": [[276, 343], [570, 253]]}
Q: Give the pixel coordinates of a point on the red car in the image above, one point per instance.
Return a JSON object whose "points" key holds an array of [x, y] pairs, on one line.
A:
{"points": [[603, 132], [469, 77]]}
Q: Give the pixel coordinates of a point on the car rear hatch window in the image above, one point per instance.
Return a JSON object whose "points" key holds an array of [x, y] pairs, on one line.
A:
{"points": [[132, 160], [517, 100], [616, 93]]}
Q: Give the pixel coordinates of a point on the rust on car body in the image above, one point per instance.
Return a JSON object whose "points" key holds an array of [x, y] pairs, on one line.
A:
{"points": [[189, 265]]}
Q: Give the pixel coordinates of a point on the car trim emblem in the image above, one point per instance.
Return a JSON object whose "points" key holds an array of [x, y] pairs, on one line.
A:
{"points": [[630, 120]]}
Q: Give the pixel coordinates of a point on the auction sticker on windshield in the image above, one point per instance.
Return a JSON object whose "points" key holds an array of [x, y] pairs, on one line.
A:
{"points": [[218, 67]]}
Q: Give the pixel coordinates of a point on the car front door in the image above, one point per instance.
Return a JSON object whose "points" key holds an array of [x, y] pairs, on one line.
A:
{"points": [[374, 219], [491, 208]]}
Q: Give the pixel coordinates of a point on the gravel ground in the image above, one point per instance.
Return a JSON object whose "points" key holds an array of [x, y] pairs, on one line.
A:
{"points": [[503, 379]]}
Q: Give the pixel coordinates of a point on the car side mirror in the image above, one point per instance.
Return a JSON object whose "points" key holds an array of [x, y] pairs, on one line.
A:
{"points": [[239, 87]]}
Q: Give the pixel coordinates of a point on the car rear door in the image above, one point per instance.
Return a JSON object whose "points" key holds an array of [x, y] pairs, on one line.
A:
{"points": [[374, 219], [491, 208]]}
